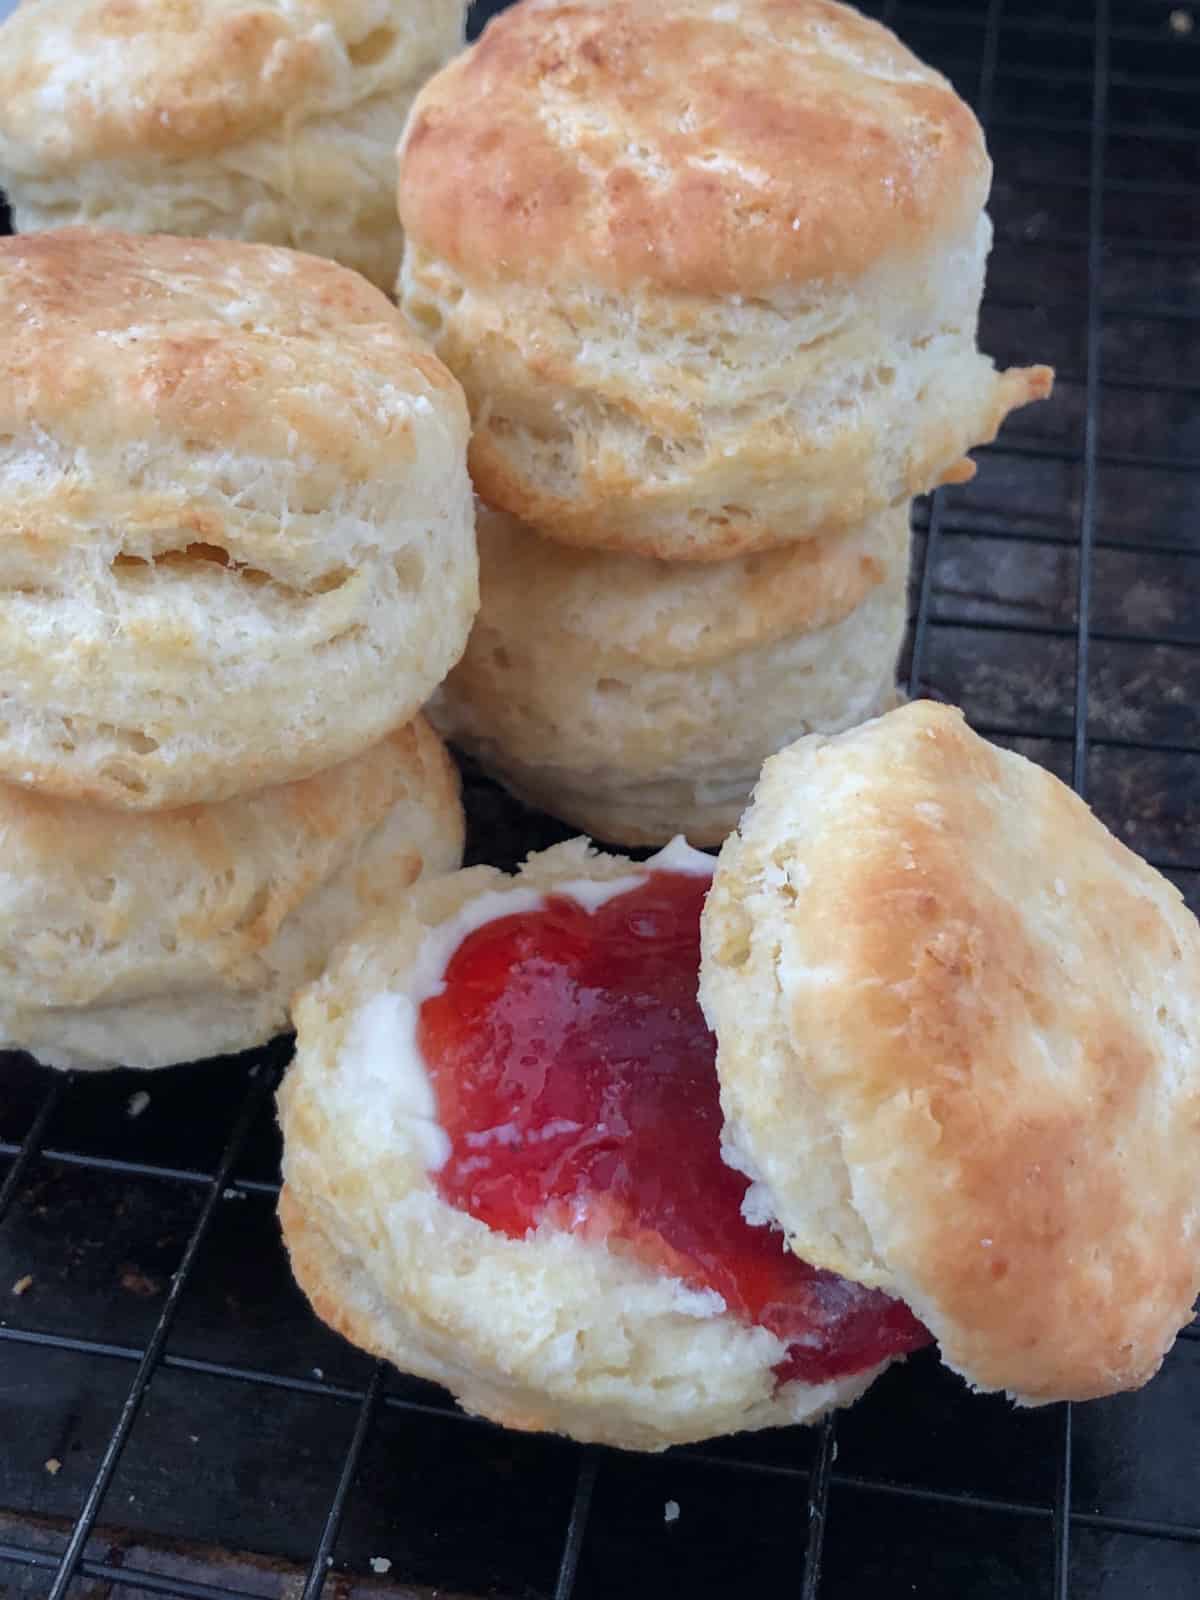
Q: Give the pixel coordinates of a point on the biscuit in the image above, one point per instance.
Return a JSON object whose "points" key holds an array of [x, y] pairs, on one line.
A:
{"points": [[958, 1028], [139, 941], [549, 1331], [709, 273], [236, 530], [645, 699], [241, 119]]}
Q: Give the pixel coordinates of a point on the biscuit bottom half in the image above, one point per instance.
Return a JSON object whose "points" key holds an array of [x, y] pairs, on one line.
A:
{"points": [[503, 1168], [576, 1080]]}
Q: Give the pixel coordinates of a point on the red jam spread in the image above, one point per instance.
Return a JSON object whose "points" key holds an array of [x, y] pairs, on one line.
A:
{"points": [[576, 1079]]}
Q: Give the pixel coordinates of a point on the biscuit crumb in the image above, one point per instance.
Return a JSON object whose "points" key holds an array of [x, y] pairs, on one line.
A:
{"points": [[54, 1466], [137, 1103], [1181, 22], [137, 1282], [380, 1564], [671, 1511], [23, 1283]]}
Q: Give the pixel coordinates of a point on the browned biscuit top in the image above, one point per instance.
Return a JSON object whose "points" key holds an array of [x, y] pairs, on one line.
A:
{"points": [[711, 148], [102, 79], [114, 341], [978, 1082]]}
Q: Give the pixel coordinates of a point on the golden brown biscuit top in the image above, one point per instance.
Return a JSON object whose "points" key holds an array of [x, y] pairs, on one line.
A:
{"points": [[702, 146], [85, 80], [996, 1007], [162, 343]]}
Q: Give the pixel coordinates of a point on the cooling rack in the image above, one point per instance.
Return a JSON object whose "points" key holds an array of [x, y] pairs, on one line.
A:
{"points": [[172, 1419]]}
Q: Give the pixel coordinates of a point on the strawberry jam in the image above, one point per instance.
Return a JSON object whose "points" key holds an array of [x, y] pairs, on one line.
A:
{"points": [[576, 1079]]}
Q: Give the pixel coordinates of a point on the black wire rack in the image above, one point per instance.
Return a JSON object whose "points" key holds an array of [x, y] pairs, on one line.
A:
{"points": [[173, 1421]]}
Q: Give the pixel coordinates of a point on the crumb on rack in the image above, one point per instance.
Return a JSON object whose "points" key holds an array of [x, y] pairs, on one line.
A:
{"points": [[54, 1466], [671, 1511], [135, 1281], [137, 1103], [380, 1565], [23, 1283], [1181, 21]]}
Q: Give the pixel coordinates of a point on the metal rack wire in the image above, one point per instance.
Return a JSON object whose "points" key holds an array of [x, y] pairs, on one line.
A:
{"points": [[1054, 600]]}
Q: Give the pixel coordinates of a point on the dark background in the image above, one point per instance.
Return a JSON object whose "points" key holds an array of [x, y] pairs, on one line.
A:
{"points": [[215, 1440]]}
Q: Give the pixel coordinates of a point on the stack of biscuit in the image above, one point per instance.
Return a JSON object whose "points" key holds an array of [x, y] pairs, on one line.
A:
{"points": [[236, 557], [710, 277], [955, 1026]]}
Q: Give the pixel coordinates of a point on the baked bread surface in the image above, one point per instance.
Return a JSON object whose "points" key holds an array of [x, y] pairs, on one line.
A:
{"points": [[700, 147], [958, 1029]]}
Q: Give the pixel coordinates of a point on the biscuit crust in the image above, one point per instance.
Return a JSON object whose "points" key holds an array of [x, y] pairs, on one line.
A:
{"points": [[958, 1028]]}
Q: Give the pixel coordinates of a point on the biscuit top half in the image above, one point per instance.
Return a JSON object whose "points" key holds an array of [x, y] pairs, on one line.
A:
{"points": [[142, 368], [708, 147], [959, 1030], [95, 80]]}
